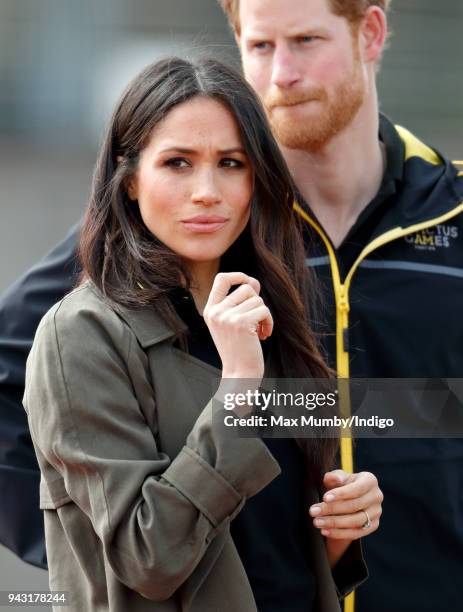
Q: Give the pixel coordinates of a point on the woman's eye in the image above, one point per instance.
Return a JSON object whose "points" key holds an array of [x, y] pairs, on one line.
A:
{"points": [[177, 162], [231, 163]]}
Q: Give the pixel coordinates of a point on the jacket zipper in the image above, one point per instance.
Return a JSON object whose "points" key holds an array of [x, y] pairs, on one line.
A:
{"points": [[341, 292]]}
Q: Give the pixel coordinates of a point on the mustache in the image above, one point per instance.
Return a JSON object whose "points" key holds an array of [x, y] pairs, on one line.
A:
{"points": [[293, 98]]}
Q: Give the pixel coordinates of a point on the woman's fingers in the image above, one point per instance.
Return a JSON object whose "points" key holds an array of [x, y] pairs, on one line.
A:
{"points": [[237, 297], [253, 315], [349, 521], [349, 534], [237, 322], [260, 315], [345, 509], [344, 506], [252, 302], [266, 328], [224, 281], [351, 526], [244, 299], [357, 485]]}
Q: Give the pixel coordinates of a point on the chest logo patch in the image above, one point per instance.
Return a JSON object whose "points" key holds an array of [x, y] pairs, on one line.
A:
{"points": [[433, 238]]}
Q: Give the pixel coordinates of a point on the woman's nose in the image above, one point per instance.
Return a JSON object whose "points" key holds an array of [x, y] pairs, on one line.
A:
{"points": [[205, 190]]}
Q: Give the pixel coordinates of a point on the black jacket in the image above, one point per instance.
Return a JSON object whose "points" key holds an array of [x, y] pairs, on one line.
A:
{"points": [[21, 308], [392, 300]]}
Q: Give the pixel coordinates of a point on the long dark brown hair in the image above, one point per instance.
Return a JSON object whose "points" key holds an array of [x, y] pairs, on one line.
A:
{"points": [[131, 267]]}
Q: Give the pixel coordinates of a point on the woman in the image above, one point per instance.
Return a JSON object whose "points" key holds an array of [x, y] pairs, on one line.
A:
{"points": [[148, 506]]}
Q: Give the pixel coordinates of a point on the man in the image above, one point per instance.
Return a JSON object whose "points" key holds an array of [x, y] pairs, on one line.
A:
{"points": [[383, 227], [314, 66], [21, 308]]}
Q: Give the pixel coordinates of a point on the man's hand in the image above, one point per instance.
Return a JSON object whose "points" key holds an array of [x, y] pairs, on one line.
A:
{"points": [[351, 502]]}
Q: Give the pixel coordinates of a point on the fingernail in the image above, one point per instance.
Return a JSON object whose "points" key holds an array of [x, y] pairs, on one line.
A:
{"points": [[319, 522], [314, 510], [325, 532], [329, 497]]}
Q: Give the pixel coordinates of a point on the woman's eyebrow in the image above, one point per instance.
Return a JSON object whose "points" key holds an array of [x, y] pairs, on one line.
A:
{"points": [[193, 151], [232, 150], [178, 150]]}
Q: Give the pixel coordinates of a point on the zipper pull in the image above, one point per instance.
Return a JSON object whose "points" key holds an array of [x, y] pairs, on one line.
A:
{"points": [[343, 305]]}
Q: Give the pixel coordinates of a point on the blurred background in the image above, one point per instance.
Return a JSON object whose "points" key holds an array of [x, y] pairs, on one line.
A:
{"points": [[63, 64]]}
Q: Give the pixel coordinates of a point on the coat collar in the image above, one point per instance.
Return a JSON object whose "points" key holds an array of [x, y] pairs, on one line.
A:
{"points": [[148, 326], [150, 329]]}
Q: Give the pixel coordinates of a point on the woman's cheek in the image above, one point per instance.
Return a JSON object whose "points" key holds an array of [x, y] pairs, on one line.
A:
{"points": [[241, 192]]}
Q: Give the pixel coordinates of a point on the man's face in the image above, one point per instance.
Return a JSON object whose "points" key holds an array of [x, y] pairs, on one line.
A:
{"points": [[305, 64]]}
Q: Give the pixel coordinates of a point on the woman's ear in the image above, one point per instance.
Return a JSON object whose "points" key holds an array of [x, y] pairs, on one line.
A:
{"points": [[131, 186], [373, 32], [129, 182]]}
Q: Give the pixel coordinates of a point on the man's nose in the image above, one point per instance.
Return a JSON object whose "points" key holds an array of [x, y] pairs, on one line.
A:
{"points": [[284, 70], [205, 190]]}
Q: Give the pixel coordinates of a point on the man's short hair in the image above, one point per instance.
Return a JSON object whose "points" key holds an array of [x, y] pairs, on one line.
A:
{"points": [[352, 10]]}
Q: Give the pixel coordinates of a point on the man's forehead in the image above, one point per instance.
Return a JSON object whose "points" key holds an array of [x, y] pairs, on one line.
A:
{"points": [[291, 17]]}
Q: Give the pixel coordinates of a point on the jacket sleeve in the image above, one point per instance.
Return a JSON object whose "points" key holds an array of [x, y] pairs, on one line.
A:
{"points": [[155, 515], [22, 306], [351, 570]]}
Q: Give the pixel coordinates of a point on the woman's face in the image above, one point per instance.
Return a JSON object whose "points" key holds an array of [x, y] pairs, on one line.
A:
{"points": [[194, 181]]}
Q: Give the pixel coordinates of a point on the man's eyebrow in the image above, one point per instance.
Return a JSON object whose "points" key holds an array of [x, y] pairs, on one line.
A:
{"points": [[188, 151], [254, 36], [309, 31], [297, 32]]}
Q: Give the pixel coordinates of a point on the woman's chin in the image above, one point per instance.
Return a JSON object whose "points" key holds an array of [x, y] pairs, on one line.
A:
{"points": [[205, 256], [204, 252]]}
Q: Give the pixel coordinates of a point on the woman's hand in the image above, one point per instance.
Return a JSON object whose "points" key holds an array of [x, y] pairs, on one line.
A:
{"points": [[238, 322], [349, 504]]}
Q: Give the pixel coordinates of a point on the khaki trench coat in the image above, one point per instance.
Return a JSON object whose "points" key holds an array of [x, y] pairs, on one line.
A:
{"points": [[137, 488]]}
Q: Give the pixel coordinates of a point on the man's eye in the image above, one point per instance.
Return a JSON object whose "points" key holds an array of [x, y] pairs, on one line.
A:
{"points": [[177, 162], [306, 39], [231, 163], [261, 46]]}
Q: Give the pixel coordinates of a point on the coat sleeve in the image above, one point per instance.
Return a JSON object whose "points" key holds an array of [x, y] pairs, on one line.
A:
{"points": [[154, 514], [351, 570], [22, 306]]}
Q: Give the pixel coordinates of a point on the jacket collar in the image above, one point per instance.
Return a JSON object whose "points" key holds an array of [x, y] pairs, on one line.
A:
{"points": [[421, 184], [395, 149], [148, 326], [150, 329]]}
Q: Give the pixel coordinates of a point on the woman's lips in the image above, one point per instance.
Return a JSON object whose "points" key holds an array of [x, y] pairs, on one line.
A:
{"points": [[204, 224]]}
